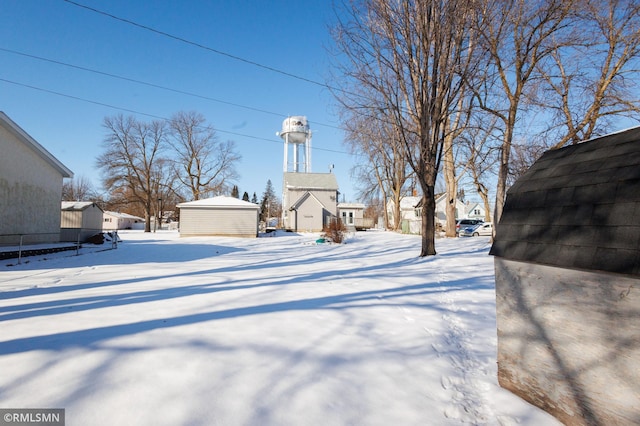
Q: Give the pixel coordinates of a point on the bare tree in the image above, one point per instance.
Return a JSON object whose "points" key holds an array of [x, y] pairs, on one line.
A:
{"points": [[131, 161], [590, 82], [480, 147], [413, 56], [78, 189], [383, 170], [524, 154], [203, 164], [455, 128], [517, 35]]}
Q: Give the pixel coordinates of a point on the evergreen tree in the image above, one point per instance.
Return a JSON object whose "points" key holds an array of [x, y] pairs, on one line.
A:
{"points": [[235, 192], [245, 196], [254, 198], [269, 206]]}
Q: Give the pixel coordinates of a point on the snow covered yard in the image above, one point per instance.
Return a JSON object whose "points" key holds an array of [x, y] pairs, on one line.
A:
{"points": [[268, 331]]}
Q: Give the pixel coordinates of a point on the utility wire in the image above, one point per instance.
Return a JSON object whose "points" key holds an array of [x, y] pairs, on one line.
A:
{"points": [[65, 95], [157, 86], [202, 46]]}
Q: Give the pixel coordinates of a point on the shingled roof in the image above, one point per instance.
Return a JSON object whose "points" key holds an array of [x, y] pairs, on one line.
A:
{"points": [[306, 181], [577, 207]]}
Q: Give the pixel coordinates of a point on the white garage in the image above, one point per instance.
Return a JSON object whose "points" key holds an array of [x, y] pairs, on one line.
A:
{"points": [[219, 216]]}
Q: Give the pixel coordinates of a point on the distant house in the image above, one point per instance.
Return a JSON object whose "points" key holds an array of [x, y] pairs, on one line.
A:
{"points": [[352, 215], [30, 187], [567, 262], [476, 211], [310, 201], [409, 219], [219, 216], [411, 212], [441, 209], [80, 220], [113, 221]]}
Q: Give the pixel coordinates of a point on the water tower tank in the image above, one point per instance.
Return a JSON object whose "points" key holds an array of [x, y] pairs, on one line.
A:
{"points": [[296, 128]]}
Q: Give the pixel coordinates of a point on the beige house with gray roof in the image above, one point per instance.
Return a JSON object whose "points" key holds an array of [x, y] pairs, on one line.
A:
{"points": [[309, 201]]}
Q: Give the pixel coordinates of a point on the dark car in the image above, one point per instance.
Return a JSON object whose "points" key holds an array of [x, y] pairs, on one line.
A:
{"points": [[464, 223]]}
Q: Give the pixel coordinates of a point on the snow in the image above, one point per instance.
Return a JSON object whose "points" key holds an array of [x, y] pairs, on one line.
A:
{"points": [[220, 201], [270, 331]]}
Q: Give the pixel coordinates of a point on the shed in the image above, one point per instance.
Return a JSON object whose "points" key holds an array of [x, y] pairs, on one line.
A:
{"points": [[30, 187], [567, 263], [220, 216], [80, 220]]}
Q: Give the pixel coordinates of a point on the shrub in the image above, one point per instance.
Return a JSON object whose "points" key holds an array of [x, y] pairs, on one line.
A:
{"points": [[335, 231]]}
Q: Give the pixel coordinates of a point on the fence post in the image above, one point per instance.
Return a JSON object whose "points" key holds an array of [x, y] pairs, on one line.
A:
{"points": [[78, 245], [20, 251]]}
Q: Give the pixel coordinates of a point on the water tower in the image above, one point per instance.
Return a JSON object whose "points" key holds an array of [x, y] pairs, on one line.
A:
{"points": [[295, 132]]}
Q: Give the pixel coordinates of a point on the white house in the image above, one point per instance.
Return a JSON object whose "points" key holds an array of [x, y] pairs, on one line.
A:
{"points": [[411, 212], [441, 209], [30, 187], [409, 219], [352, 215], [220, 216], [476, 211], [113, 221]]}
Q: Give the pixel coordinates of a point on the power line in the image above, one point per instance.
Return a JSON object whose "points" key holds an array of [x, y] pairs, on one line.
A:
{"points": [[77, 98], [156, 86], [202, 46]]}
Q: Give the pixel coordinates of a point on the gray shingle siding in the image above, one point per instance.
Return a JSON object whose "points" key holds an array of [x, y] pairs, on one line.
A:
{"points": [[577, 207]]}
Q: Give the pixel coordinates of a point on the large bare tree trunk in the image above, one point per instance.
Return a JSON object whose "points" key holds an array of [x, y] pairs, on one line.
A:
{"points": [[413, 57], [428, 220]]}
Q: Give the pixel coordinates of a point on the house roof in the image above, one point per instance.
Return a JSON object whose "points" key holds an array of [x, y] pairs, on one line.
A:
{"points": [[577, 207], [351, 206], [303, 199], [23, 136], [221, 201], [123, 215], [309, 181], [78, 205], [410, 202]]}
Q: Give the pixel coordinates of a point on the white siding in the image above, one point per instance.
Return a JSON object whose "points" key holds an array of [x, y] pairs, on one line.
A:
{"points": [[218, 221], [30, 193], [92, 218]]}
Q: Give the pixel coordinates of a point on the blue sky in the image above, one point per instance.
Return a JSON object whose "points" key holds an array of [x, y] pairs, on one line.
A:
{"points": [[288, 36]]}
